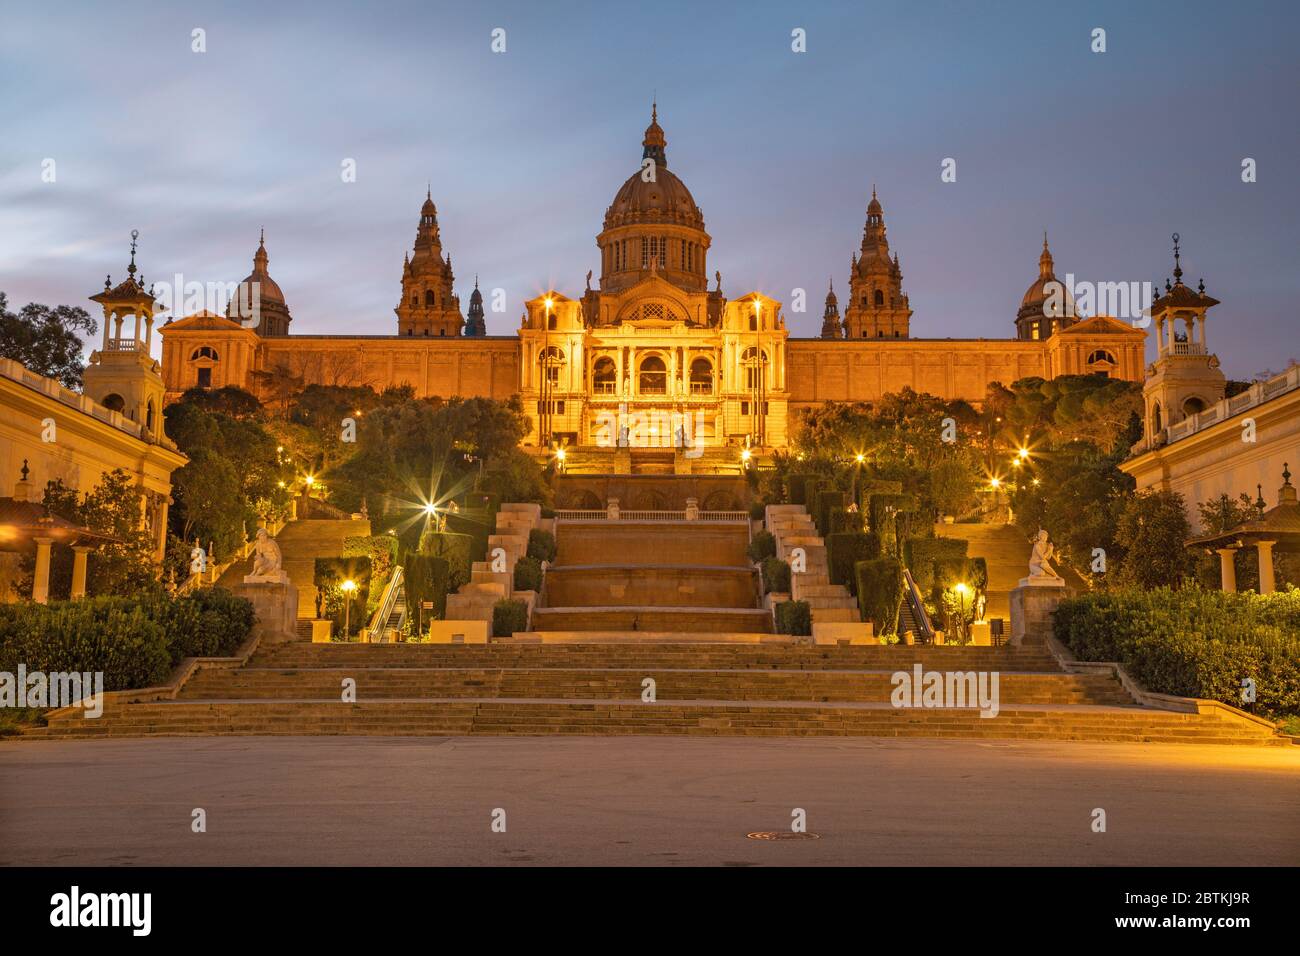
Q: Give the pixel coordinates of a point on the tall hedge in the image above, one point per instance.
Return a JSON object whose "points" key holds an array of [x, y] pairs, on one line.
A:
{"points": [[880, 505], [426, 580], [776, 576], [827, 500], [880, 592], [933, 561], [846, 549], [456, 549], [798, 486], [1194, 643], [762, 545], [541, 544], [866, 487]]}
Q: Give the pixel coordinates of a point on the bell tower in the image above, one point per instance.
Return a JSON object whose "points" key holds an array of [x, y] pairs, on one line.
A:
{"points": [[428, 305], [1185, 377], [877, 307], [122, 375]]}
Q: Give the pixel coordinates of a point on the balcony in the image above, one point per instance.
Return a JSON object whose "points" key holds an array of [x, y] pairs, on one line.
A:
{"points": [[1188, 348], [125, 345]]}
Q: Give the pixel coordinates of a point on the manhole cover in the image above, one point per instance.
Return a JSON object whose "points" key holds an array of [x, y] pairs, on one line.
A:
{"points": [[782, 835]]}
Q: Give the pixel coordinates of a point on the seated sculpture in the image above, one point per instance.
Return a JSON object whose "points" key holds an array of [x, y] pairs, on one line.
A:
{"points": [[267, 560], [1040, 560]]}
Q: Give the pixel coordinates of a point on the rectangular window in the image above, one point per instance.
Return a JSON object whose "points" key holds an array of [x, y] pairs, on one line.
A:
{"points": [[205, 377]]}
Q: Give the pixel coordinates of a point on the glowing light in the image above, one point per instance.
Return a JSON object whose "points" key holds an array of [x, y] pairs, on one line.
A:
{"points": [[1035, 481], [561, 454], [860, 458], [995, 483], [746, 454], [430, 508], [961, 588], [1015, 462], [1023, 454], [282, 484], [310, 480], [348, 586], [547, 303]]}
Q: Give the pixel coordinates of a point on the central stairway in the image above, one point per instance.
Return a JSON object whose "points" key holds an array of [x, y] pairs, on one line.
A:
{"points": [[600, 689], [653, 577]]}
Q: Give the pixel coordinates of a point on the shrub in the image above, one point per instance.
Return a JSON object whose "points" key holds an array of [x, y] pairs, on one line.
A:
{"points": [[762, 545], [880, 592], [509, 616], [845, 550], [798, 487], [828, 500], [844, 520], [932, 560], [1193, 643], [476, 526], [866, 487], [528, 574], [456, 550], [794, 618], [757, 511], [329, 575], [426, 580], [541, 545], [882, 505], [776, 576]]}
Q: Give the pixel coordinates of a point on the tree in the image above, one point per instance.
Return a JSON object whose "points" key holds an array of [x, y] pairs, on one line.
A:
{"points": [[1153, 529], [47, 341]]}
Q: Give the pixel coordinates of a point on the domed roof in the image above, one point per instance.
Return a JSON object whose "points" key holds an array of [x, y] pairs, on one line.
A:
{"points": [[665, 199], [1046, 285], [267, 288]]}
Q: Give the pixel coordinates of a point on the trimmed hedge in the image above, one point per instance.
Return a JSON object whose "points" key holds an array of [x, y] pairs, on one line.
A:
{"points": [[456, 549], [776, 576], [757, 511], [1194, 643], [508, 616], [827, 500], [933, 560], [426, 580], [762, 545], [134, 642], [879, 506], [528, 574], [541, 545], [845, 550], [876, 486], [794, 618], [844, 520], [880, 592], [797, 485]]}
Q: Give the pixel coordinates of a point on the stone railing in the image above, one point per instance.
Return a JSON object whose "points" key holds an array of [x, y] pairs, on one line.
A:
{"points": [[1257, 394], [214, 571]]}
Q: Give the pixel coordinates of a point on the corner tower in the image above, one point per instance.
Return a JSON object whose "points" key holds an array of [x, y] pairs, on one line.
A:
{"points": [[428, 305], [877, 307]]}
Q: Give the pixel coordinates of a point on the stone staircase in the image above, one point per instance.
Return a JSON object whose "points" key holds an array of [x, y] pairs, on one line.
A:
{"points": [[793, 527], [301, 543], [475, 600], [596, 689]]}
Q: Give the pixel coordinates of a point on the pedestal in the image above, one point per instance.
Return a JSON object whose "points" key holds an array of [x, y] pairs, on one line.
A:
{"points": [[320, 630], [981, 634], [1032, 604], [276, 605]]}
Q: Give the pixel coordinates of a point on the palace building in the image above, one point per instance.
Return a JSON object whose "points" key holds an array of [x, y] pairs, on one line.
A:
{"points": [[654, 368]]}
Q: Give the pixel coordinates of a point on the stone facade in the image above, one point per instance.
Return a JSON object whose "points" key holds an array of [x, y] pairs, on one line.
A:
{"points": [[651, 356]]}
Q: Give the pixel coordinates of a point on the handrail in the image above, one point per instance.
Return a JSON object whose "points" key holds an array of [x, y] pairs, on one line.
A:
{"points": [[384, 610], [913, 598]]}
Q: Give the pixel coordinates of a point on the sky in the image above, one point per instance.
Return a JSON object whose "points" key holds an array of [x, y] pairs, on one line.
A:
{"points": [[1109, 152]]}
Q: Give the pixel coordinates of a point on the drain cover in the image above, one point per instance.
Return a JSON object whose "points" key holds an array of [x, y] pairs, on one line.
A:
{"points": [[782, 835]]}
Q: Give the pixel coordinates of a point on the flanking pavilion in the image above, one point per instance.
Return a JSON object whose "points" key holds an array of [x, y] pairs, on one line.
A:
{"points": [[1278, 527]]}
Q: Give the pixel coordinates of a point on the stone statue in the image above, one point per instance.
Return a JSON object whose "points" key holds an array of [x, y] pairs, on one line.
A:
{"points": [[1040, 560], [267, 560], [718, 275]]}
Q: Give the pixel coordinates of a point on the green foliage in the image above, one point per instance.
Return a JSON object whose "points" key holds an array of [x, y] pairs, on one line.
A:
{"points": [[845, 550], [827, 500], [329, 575], [134, 642], [776, 575], [541, 544], [891, 517], [426, 580], [875, 486], [509, 616], [1153, 530], [797, 487], [757, 511], [381, 550], [761, 545], [455, 549], [844, 520], [952, 486], [528, 574], [229, 400], [1222, 514], [1193, 643], [48, 341], [934, 561], [794, 618], [880, 592]]}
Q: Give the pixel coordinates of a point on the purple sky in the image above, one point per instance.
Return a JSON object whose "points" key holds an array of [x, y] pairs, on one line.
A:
{"points": [[1109, 152]]}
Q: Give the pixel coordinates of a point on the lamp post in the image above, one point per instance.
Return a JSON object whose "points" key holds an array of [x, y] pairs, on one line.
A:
{"points": [[347, 587], [961, 590]]}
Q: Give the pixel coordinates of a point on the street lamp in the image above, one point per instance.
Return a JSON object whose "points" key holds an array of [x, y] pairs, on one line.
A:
{"points": [[962, 591], [347, 587]]}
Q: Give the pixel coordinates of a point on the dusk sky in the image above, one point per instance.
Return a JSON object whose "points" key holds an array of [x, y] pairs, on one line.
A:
{"points": [[1109, 152]]}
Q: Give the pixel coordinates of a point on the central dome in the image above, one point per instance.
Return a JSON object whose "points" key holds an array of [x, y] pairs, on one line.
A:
{"points": [[665, 199]]}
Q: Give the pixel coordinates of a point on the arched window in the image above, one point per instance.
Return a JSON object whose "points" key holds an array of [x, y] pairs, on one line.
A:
{"points": [[753, 323], [701, 376], [1101, 355], [149, 416], [204, 352], [552, 321], [552, 360], [114, 402], [415, 299], [1193, 405], [1157, 420], [749, 360], [604, 376], [654, 376], [880, 298]]}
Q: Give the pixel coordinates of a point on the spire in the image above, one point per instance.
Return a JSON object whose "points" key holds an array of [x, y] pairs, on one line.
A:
{"points": [[260, 258], [1178, 269], [654, 143], [130, 270], [475, 321], [831, 328], [1046, 267]]}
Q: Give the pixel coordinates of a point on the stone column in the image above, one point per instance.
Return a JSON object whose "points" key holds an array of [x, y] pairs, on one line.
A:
{"points": [[79, 553], [1227, 569], [41, 580], [1266, 583]]}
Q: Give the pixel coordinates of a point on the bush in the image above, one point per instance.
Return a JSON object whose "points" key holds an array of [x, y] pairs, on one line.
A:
{"points": [[881, 505], [776, 576], [798, 487], [456, 550], [541, 545], [426, 580], [844, 520], [329, 575], [794, 618], [509, 616], [761, 546], [528, 574], [845, 550], [880, 592], [757, 511], [932, 560], [1193, 643], [828, 500], [134, 642], [875, 486]]}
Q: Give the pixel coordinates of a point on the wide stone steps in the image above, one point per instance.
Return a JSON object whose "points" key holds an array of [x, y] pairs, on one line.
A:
{"points": [[559, 683], [636, 655], [652, 618], [616, 717]]}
